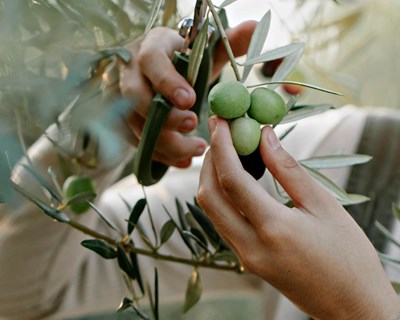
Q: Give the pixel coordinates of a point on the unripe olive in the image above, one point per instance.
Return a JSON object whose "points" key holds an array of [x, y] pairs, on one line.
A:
{"points": [[267, 106], [229, 99], [75, 185], [246, 134]]}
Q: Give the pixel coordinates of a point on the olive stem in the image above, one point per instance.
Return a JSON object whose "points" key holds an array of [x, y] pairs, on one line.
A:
{"points": [[224, 39], [154, 254]]}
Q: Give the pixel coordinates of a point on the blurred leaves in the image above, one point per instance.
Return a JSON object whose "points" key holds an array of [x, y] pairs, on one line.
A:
{"points": [[257, 42], [101, 247], [193, 291], [335, 161]]}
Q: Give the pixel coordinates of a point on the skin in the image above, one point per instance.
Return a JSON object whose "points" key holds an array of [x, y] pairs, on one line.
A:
{"points": [[314, 253], [151, 70]]}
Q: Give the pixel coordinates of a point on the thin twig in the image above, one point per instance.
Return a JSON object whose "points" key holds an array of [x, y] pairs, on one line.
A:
{"points": [[224, 39]]}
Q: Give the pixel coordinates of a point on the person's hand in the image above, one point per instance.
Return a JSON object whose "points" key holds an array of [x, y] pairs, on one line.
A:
{"points": [[314, 253], [151, 70]]}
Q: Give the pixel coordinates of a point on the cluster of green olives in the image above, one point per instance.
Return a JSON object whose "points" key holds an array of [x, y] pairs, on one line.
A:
{"points": [[246, 112]]}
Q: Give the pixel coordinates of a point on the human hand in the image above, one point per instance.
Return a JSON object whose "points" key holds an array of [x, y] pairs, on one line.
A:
{"points": [[314, 253], [151, 70]]}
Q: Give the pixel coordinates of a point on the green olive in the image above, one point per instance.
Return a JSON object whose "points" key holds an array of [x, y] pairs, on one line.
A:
{"points": [[267, 106], [246, 134], [78, 185], [229, 99]]}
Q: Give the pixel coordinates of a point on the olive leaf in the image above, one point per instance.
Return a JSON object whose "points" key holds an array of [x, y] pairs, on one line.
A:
{"points": [[226, 3], [50, 211], [154, 303], [193, 291], [123, 53], [197, 53], [396, 211], [154, 13], [101, 247], [124, 263], [285, 133], [335, 161], [126, 303], [135, 214], [340, 194], [199, 240], [302, 84], [104, 218], [386, 233], [185, 238], [301, 112], [81, 197], [286, 67], [274, 54], [167, 231], [136, 270], [396, 287], [257, 42], [207, 226]]}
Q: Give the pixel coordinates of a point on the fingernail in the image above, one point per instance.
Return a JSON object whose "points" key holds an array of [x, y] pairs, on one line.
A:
{"points": [[181, 97], [187, 125], [212, 123], [200, 150], [273, 140]]}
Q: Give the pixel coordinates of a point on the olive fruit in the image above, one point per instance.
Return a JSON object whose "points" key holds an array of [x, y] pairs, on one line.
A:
{"points": [[246, 135], [229, 99], [75, 185], [267, 106], [253, 164]]}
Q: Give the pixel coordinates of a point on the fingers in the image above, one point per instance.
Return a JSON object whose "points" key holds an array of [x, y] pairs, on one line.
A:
{"points": [[228, 220], [239, 40], [300, 186], [155, 61], [246, 194]]}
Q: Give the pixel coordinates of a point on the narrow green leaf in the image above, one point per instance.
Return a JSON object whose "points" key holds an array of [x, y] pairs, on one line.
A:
{"points": [[226, 3], [207, 226], [124, 263], [286, 67], [387, 234], [339, 193], [274, 54], [166, 231], [285, 133], [197, 240], [257, 42], [183, 236], [386, 258], [51, 212], [104, 218], [154, 13], [396, 287], [156, 296], [193, 291], [307, 85], [396, 211], [101, 247], [42, 181], [136, 270], [81, 198], [196, 56], [226, 256], [307, 111], [125, 304], [135, 214], [335, 161], [181, 215]]}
